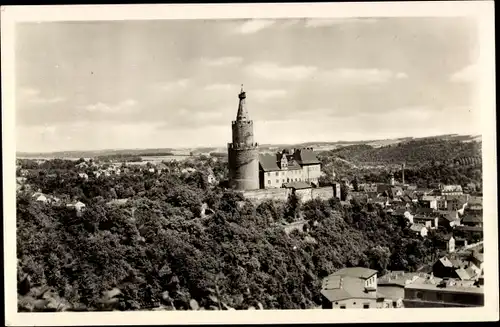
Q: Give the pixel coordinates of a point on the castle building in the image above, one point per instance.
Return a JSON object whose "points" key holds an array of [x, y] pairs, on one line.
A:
{"points": [[243, 152], [287, 166]]}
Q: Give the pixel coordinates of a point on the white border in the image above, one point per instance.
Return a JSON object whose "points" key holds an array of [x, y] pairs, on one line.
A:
{"points": [[483, 11]]}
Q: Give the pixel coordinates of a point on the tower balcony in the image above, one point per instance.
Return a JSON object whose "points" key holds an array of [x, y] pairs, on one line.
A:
{"points": [[241, 122], [242, 146]]}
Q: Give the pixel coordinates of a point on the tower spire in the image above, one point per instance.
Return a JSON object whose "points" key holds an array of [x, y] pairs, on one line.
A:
{"points": [[242, 108]]}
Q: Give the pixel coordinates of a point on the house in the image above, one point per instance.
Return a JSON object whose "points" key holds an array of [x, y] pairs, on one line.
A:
{"points": [[448, 243], [429, 293], [396, 191], [450, 218], [295, 165], [472, 220], [351, 288], [462, 274], [431, 222], [40, 197], [451, 190], [419, 229], [430, 201], [392, 285], [381, 201], [403, 213], [456, 203], [83, 176], [442, 268], [77, 205], [478, 260], [475, 203]]}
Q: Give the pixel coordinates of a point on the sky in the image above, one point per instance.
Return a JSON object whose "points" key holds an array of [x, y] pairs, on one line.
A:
{"points": [[175, 83]]}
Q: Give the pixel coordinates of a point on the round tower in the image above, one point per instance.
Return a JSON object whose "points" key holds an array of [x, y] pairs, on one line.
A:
{"points": [[243, 152]]}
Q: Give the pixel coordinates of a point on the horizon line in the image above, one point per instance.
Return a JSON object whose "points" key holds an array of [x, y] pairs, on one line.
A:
{"points": [[260, 144]]}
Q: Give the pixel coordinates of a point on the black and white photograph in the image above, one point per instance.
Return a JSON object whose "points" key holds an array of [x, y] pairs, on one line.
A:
{"points": [[178, 163]]}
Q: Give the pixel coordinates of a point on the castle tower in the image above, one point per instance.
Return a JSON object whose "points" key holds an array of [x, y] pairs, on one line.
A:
{"points": [[243, 154], [391, 178]]}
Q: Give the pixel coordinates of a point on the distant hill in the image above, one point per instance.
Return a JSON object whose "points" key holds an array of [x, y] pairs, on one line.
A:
{"points": [[414, 151], [318, 146]]}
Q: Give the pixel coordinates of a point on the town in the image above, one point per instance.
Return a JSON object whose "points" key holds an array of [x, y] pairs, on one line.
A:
{"points": [[395, 243]]}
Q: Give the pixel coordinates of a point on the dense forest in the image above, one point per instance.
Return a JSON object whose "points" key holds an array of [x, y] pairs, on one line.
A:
{"points": [[411, 152], [163, 250]]}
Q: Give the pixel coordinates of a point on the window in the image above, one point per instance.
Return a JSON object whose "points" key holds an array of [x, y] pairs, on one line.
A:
{"points": [[366, 306], [419, 295], [342, 306], [268, 181], [277, 181], [277, 173]]}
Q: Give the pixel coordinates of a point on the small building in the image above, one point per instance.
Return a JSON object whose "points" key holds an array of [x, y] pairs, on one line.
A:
{"points": [[430, 201], [447, 293], [419, 229], [451, 190], [351, 288], [472, 220], [77, 205], [448, 217], [83, 176], [427, 221]]}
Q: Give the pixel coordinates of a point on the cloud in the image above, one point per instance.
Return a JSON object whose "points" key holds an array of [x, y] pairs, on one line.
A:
{"points": [[361, 76], [220, 87], [268, 94], [465, 75], [124, 106], [255, 25], [33, 96], [173, 85], [272, 71], [223, 61], [322, 22]]}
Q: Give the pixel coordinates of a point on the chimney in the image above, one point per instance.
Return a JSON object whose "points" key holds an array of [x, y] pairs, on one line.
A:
{"points": [[341, 282]]}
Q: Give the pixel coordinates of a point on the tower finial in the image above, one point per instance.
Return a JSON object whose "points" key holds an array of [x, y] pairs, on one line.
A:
{"points": [[241, 88]]}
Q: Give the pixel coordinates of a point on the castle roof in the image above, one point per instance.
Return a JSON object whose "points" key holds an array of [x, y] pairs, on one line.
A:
{"points": [[268, 162], [306, 157], [242, 108]]}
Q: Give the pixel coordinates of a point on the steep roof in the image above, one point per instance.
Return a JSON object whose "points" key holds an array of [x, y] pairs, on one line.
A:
{"points": [[446, 262], [462, 274], [472, 219], [268, 162], [358, 272], [307, 157]]}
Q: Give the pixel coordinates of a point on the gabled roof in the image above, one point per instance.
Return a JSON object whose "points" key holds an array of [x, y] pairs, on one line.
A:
{"points": [[268, 162], [424, 211], [472, 219], [306, 157], [445, 262], [358, 272], [462, 274]]}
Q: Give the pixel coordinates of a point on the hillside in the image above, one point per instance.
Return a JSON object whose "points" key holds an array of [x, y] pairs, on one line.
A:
{"points": [[411, 152]]}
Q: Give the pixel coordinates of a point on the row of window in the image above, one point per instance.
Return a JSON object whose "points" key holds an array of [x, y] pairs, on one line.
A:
{"points": [[288, 180]]}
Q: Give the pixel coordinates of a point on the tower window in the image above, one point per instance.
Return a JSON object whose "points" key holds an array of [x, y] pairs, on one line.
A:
{"points": [[277, 181], [277, 173], [268, 181]]}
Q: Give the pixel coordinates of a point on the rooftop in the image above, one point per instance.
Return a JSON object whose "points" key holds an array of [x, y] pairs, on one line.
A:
{"points": [[357, 272], [297, 185], [337, 288], [459, 287]]}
